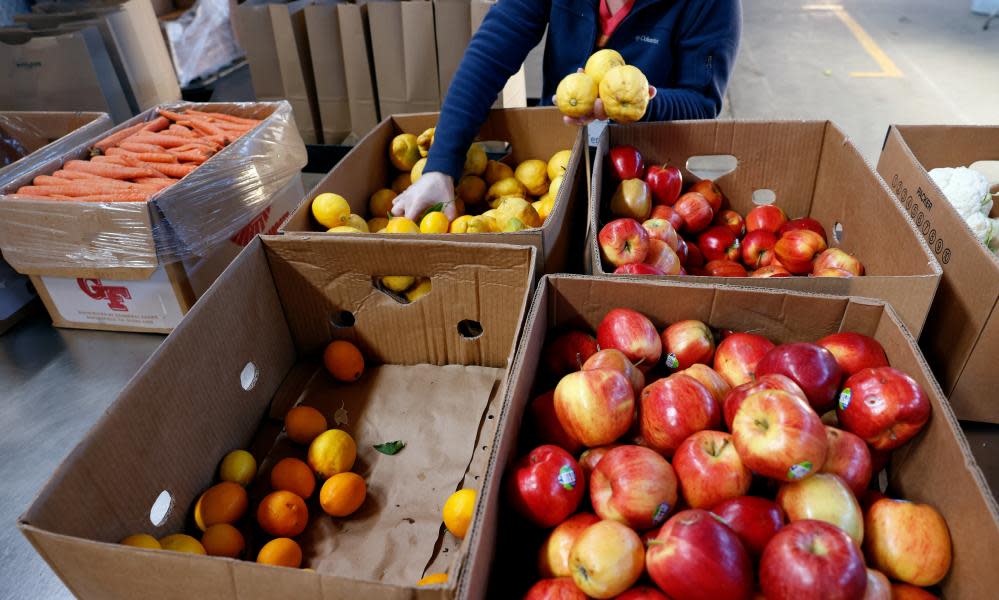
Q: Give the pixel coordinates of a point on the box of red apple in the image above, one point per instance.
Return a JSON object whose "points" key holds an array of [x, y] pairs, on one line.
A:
{"points": [[776, 204], [680, 441]]}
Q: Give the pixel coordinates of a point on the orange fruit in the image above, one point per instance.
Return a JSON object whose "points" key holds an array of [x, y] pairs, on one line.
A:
{"points": [[282, 513], [180, 542], [281, 552], [433, 579], [293, 475], [223, 503], [344, 361], [304, 423], [199, 517], [458, 511], [142, 540], [332, 452], [222, 539], [342, 494]]}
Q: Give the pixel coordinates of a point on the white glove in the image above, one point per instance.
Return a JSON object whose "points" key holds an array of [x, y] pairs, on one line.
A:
{"points": [[429, 190]]}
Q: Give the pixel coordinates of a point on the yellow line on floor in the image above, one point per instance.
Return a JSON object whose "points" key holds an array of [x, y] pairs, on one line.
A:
{"points": [[888, 67]]}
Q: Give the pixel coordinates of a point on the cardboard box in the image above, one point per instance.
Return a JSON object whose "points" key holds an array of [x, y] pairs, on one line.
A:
{"points": [[936, 467], [323, 26], [358, 69], [533, 133], [405, 56], [514, 93], [264, 325], [277, 48], [815, 171], [961, 336]]}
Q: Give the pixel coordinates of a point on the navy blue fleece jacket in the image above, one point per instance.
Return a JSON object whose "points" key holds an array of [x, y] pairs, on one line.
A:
{"points": [[686, 48]]}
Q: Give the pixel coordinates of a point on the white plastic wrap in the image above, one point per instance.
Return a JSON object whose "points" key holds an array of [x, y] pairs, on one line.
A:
{"points": [[201, 40], [28, 134], [185, 220]]}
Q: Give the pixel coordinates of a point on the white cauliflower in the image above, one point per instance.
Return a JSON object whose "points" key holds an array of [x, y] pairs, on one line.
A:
{"points": [[993, 243], [966, 189], [981, 226]]}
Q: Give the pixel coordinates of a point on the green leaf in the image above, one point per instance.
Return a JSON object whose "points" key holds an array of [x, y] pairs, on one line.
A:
{"points": [[390, 448]]}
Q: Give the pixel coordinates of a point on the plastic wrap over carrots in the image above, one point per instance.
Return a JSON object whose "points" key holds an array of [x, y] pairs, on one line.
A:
{"points": [[168, 185]]}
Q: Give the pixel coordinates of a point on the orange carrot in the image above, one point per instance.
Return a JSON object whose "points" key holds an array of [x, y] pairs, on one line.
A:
{"points": [[116, 137], [109, 160], [49, 180], [196, 158], [224, 117], [117, 197], [157, 124], [181, 131], [19, 196], [72, 175], [136, 147], [83, 188], [161, 157], [171, 141], [169, 114], [153, 183], [170, 170], [111, 171], [204, 126]]}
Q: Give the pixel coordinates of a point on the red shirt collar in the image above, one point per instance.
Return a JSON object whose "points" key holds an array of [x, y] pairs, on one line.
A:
{"points": [[608, 22]]}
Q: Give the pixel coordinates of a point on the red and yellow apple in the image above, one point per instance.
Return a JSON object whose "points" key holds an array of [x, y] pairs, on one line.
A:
{"points": [[815, 560], [811, 366], [766, 217], [758, 248], [567, 352], [724, 268], [553, 558], [832, 272], [823, 497], [561, 588], [779, 436], [754, 519], [878, 586], [623, 241], [771, 270], [849, 458], [595, 407], [711, 192], [663, 258], [635, 486], [607, 559], [590, 457], [709, 469], [908, 542], [734, 399], [854, 351], [632, 200], [710, 379], [733, 220], [673, 408], [719, 243], [637, 269], [797, 249], [662, 211], [614, 359], [904, 591], [695, 211], [737, 356], [835, 258], [547, 427], [634, 334], [686, 343], [804, 223], [663, 230], [883, 406], [642, 592], [545, 486]]}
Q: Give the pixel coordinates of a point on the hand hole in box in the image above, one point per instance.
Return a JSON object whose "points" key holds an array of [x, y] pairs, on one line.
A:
{"points": [[838, 232], [342, 319], [764, 197], [469, 329], [404, 289], [712, 166], [248, 376], [161, 508]]}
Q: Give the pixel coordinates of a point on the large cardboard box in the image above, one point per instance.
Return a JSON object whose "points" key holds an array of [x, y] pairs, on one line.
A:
{"points": [[276, 41], [815, 171], [405, 56], [533, 133], [358, 69], [961, 335], [936, 467], [249, 351], [323, 26]]}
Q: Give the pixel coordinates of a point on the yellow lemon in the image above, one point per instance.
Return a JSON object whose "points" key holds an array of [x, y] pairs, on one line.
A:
{"points": [[471, 189], [401, 182], [398, 283], [238, 466], [401, 225], [380, 202], [417, 171], [554, 186], [344, 229], [544, 206], [377, 224], [558, 163], [434, 222], [533, 175], [180, 542], [333, 451], [404, 151], [516, 209], [419, 290], [602, 61], [433, 579], [495, 171], [625, 94], [475, 160], [142, 540], [575, 95], [505, 187], [458, 511], [482, 224], [425, 140], [358, 223], [330, 210], [460, 225]]}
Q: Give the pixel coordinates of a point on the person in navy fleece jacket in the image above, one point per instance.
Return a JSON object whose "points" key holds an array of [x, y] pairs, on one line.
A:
{"points": [[686, 48]]}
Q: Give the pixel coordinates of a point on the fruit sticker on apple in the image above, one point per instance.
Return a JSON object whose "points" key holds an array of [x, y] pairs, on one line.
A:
{"points": [[546, 486]]}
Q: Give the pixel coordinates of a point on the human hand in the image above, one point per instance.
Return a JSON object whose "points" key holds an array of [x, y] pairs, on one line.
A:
{"points": [[598, 113], [430, 189]]}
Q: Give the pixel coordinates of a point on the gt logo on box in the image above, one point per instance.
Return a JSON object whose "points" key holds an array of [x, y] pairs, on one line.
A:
{"points": [[114, 294]]}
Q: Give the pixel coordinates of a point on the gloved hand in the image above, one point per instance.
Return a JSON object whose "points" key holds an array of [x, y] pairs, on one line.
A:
{"points": [[430, 189]]}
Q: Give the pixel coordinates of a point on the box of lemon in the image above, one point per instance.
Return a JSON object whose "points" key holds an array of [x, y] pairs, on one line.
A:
{"points": [[301, 432], [520, 182]]}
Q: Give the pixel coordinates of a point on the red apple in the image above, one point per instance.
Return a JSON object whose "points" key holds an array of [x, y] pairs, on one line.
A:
{"points": [[878, 586], [734, 399], [849, 458], [804, 223], [904, 591], [546, 485], [779, 436], [553, 559], [596, 406], [637, 269], [616, 360], [661, 211], [884, 406], [569, 351], [710, 470], [755, 520], [695, 556], [607, 559], [758, 248], [561, 588], [662, 229], [771, 271], [832, 272], [854, 351], [767, 217], [626, 162], [686, 343], [632, 200], [725, 268], [547, 428], [665, 182], [737, 355], [823, 497], [811, 366], [673, 408], [733, 220], [710, 379], [834, 258], [815, 560], [642, 592], [695, 260], [695, 210], [590, 457], [634, 334], [719, 243], [663, 258], [623, 241], [633, 485], [908, 542], [797, 249], [711, 192]]}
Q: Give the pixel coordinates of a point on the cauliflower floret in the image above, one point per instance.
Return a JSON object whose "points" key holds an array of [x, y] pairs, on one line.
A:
{"points": [[966, 189], [981, 226], [994, 240]]}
